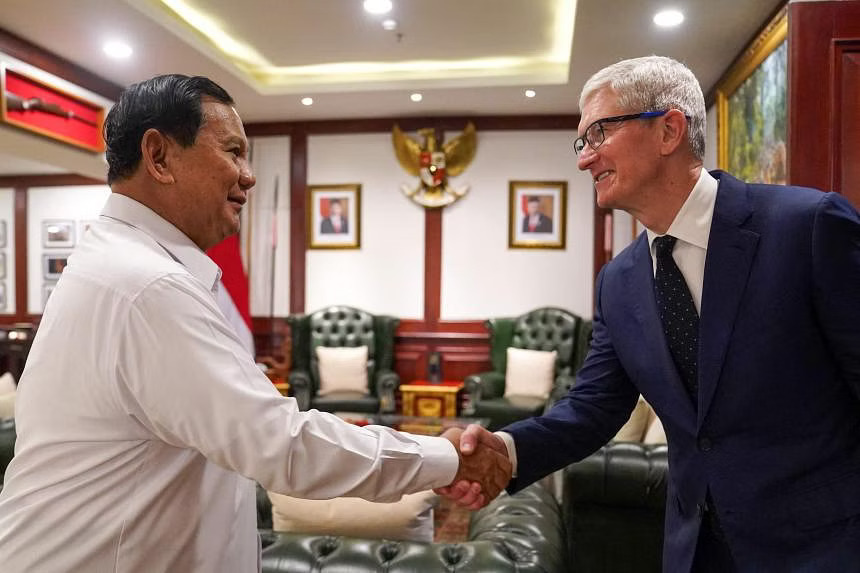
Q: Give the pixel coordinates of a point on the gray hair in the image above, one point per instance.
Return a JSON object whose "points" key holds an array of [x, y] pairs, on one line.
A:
{"points": [[654, 83]]}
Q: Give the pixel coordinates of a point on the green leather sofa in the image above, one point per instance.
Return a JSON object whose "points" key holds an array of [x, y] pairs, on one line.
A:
{"points": [[613, 503], [545, 329], [343, 326], [7, 445], [522, 533]]}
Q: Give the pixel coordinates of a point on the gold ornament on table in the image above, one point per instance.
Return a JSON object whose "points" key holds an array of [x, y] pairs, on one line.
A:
{"points": [[433, 165]]}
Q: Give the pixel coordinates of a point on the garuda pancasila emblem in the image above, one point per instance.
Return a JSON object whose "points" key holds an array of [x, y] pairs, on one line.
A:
{"points": [[434, 165]]}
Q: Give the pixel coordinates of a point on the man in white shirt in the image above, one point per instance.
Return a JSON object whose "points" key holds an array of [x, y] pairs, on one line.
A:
{"points": [[736, 316], [142, 422]]}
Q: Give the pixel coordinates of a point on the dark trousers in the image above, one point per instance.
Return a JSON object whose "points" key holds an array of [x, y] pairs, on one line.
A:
{"points": [[713, 554]]}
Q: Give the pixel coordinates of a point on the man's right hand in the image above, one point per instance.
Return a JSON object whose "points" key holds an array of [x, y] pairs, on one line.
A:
{"points": [[484, 469]]}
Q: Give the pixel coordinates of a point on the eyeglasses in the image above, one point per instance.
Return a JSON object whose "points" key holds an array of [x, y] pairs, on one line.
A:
{"points": [[594, 135]]}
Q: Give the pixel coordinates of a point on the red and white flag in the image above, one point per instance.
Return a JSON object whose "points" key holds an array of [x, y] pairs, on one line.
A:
{"points": [[233, 294]]}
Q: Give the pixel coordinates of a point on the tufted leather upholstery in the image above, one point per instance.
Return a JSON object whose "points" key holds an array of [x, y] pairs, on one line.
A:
{"points": [[7, 445], [544, 329], [520, 533], [613, 504], [343, 326]]}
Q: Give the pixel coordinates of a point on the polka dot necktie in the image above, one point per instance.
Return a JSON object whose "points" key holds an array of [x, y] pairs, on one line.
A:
{"points": [[678, 313]]}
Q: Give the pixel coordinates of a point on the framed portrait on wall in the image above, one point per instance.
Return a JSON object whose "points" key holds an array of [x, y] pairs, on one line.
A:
{"points": [[53, 264], [752, 115], [2, 265], [2, 295], [58, 234], [334, 216], [47, 289], [2, 234], [536, 214]]}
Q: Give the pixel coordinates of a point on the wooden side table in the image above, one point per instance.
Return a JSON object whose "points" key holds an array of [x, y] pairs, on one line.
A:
{"points": [[425, 398]]}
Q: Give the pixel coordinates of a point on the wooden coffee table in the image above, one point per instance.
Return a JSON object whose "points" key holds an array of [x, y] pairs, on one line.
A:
{"points": [[424, 425], [434, 399]]}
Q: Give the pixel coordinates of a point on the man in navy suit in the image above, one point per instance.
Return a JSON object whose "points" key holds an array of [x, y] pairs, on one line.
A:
{"points": [[737, 316]]}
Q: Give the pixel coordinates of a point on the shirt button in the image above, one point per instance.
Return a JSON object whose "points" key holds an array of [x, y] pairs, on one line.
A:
{"points": [[705, 444]]}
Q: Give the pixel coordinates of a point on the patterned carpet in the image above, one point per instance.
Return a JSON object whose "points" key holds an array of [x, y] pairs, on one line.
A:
{"points": [[451, 522]]}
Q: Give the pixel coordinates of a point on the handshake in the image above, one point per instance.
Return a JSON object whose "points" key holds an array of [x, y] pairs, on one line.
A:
{"points": [[484, 469]]}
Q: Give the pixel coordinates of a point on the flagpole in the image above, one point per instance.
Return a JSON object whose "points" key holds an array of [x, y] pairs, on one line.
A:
{"points": [[274, 237]]}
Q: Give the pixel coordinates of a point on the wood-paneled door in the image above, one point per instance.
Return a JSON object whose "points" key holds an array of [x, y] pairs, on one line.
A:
{"points": [[824, 96]]}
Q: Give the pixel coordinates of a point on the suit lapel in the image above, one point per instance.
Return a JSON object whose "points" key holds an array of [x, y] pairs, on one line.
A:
{"points": [[731, 250], [639, 284]]}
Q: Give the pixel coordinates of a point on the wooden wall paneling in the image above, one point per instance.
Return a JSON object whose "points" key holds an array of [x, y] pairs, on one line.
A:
{"points": [[20, 235], [846, 108], [50, 62], [298, 234], [816, 30], [602, 238], [385, 124], [432, 267], [271, 337], [463, 360], [410, 360]]}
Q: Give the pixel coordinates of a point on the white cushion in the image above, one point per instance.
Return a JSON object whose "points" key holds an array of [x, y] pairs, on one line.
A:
{"points": [[7, 384], [529, 372], [342, 369], [410, 519], [634, 429], [654, 433]]}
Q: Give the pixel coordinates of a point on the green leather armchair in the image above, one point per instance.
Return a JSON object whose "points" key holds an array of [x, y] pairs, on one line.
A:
{"points": [[540, 329], [343, 326]]}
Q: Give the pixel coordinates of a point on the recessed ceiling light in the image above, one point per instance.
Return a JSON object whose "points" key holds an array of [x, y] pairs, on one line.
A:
{"points": [[377, 6], [668, 18], [530, 93], [416, 97], [116, 49], [307, 101], [389, 24]]}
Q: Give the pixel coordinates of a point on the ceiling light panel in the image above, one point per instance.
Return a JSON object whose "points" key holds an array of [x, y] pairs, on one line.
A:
{"points": [[279, 55]]}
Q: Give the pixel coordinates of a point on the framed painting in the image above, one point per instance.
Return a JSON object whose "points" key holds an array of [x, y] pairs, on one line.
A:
{"points": [[334, 216], [2, 234], [47, 290], [536, 214], [53, 264], [751, 109], [58, 234]]}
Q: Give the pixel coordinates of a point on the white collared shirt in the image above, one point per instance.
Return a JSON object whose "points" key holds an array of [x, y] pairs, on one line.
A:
{"points": [[143, 423], [692, 227]]}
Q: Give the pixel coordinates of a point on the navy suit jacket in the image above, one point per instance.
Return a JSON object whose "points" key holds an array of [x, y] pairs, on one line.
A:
{"points": [[775, 436]]}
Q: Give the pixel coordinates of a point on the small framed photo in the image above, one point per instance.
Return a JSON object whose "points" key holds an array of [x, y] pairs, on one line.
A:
{"points": [[334, 216], [536, 217], [47, 289], [2, 265], [53, 264], [2, 234], [2, 295], [59, 234]]}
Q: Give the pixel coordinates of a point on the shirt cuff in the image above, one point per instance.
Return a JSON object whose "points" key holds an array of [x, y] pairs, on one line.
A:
{"points": [[439, 461], [512, 450]]}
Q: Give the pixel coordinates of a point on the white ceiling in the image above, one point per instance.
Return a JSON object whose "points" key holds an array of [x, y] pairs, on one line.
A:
{"points": [[467, 57]]}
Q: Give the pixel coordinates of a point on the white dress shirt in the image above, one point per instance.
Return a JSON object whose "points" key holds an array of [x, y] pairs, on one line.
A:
{"points": [[692, 227], [143, 423]]}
